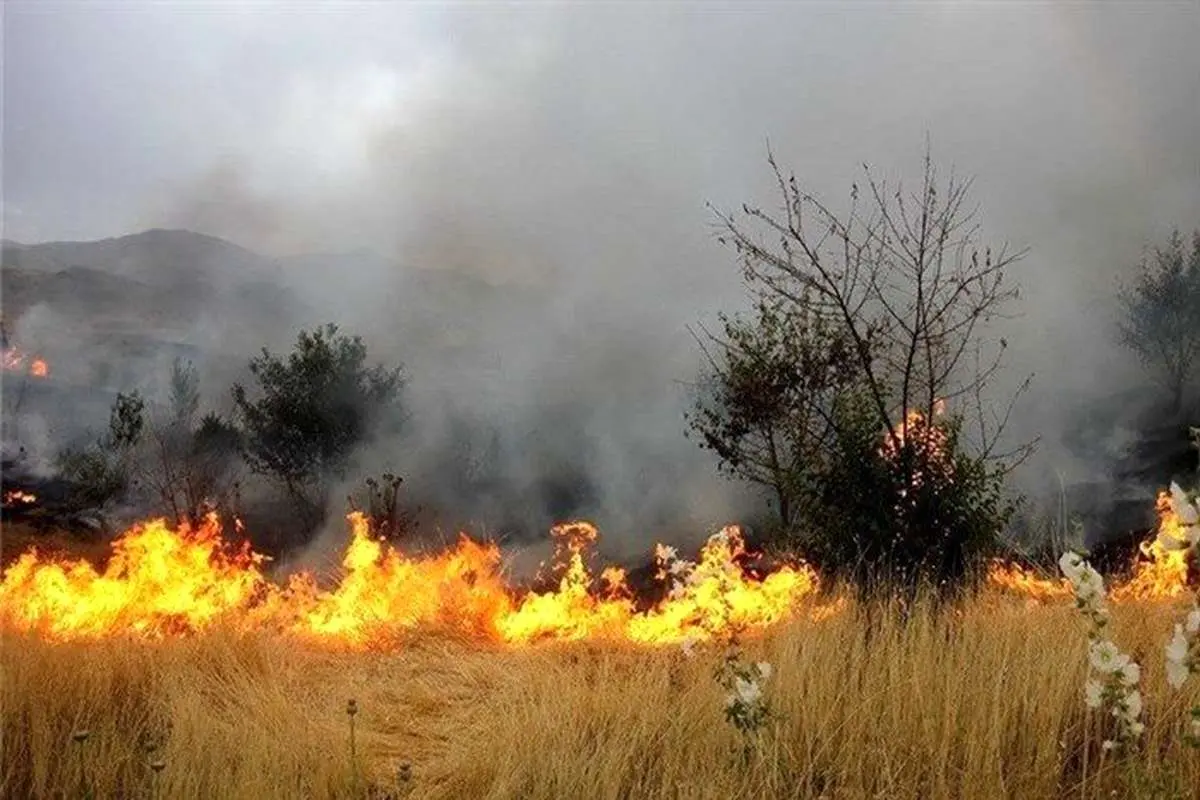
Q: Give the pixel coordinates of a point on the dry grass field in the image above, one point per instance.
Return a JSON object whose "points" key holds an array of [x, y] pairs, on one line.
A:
{"points": [[984, 703]]}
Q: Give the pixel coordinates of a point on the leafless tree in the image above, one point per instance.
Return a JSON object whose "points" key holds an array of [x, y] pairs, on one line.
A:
{"points": [[904, 277], [188, 462]]}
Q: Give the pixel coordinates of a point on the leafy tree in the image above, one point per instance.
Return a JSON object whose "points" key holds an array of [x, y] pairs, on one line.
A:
{"points": [[311, 410], [765, 402], [890, 304], [1160, 315]]}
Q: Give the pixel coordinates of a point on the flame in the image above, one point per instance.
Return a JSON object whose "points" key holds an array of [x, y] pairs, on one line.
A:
{"points": [[1158, 573], [13, 360], [1015, 579], [158, 581], [17, 497], [161, 582]]}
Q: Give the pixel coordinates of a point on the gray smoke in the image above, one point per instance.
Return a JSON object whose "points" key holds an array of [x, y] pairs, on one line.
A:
{"points": [[562, 157]]}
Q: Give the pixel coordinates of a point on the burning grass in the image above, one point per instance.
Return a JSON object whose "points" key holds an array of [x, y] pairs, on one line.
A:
{"points": [[181, 654], [983, 704]]}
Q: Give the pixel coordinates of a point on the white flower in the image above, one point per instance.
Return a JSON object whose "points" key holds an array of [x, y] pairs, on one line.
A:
{"points": [[680, 568], [1137, 728], [748, 692], [1177, 649], [1131, 673], [1093, 693], [1105, 657], [1109, 744], [1070, 564], [1183, 507], [1132, 705], [764, 670], [1192, 624], [665, 552], [689, 646], [1088, 583], [1177, 674]]}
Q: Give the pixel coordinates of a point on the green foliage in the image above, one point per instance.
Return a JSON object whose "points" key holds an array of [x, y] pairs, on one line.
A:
{"points": [[1160, 315], [764, 409], [904, 515], [311, 410]]}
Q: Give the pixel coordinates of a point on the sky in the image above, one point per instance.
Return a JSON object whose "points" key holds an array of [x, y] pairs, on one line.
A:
{"points": [[575, 146]]}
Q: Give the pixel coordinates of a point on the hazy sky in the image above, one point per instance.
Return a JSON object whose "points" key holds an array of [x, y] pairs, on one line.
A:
{"points": [[579, 143]]}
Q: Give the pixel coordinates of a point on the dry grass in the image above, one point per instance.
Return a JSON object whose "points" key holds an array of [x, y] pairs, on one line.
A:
{"points": [[985, 705]]}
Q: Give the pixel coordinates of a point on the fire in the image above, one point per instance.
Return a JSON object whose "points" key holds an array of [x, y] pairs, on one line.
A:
{"points": [[17, 497], [160, 582], [1015, 579], [13, 360], [1159, 572]]}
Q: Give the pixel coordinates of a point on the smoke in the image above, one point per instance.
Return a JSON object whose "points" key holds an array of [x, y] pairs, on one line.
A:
{"points": [[515, 204]]}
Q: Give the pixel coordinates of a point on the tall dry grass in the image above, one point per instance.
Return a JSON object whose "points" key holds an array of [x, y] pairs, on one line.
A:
{"points": [[985, 704]]}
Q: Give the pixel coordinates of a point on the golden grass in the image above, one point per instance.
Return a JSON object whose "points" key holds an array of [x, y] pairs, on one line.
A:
{"points": [[987, 704]]}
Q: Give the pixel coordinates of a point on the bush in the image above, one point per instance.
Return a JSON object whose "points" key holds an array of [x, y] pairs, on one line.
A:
{"points": [[908, 515]]}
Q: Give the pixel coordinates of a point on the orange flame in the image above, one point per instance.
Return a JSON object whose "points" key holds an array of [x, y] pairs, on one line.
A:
{"points": [[159, 581], [1014, 579], [17, 497], [1158, 573], [14, 360]]}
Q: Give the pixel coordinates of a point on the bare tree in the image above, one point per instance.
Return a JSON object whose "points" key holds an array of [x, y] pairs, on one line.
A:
{"points": [[905, 279], [189, 462], [870, 324], [1160, 315]]}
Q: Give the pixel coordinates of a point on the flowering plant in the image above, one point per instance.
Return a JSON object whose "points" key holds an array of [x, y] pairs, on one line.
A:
{"points": [[1113, 676], [1183, 651], [746, 707]]}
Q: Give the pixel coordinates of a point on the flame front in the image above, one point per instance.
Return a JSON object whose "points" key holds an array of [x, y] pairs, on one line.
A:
{"points": [[160, 581], [17, 497], [1159, 572], [1014, 579]]}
